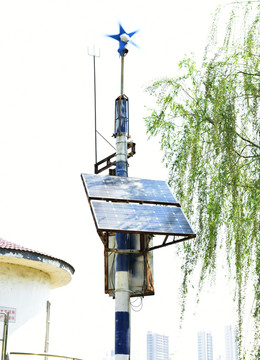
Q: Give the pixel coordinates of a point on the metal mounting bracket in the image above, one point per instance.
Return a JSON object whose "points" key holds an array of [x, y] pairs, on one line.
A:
{"points": [[110, 160]]}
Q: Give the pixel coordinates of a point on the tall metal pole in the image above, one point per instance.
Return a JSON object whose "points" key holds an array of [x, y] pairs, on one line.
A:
{"points": [[122, 75], [122, 294]]}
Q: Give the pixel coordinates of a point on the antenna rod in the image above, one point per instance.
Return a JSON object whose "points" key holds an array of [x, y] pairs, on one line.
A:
{"points": [[94, 55], [95, 107]]}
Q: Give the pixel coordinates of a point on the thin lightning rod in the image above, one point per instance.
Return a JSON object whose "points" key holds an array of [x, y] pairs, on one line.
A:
{"points": [[95, 106], [94, 55]]}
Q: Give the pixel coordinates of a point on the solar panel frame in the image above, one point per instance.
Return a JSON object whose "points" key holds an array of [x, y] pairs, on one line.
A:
{"points": [[116, 188], [140, 218]]}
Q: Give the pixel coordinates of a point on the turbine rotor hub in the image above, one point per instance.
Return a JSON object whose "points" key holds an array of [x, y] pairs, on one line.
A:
{"points": [[124, 37]]}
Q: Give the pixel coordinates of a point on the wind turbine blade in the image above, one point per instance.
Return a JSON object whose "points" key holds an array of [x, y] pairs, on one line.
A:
{"points": [[121, 29], [116, 37], [132, 33], [133, 43]]}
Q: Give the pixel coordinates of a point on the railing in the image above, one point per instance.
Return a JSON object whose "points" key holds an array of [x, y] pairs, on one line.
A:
{"points": [[45, 355]]}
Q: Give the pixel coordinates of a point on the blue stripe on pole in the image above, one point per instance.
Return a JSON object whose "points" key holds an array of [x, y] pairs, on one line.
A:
{"points": [[122, 333], [122, 260], [122, 241], [121, 168]]}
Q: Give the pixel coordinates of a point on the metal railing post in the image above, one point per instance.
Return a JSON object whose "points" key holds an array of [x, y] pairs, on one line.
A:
{"points": [[5, 335]]}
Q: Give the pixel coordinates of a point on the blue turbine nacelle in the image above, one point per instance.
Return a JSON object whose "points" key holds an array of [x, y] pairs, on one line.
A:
{"points": [[124, 38]]}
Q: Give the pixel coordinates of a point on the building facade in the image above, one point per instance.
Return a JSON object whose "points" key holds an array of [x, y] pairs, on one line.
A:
{"points": [[231, 348], [157, 346], [205, 346], [26, 278]]}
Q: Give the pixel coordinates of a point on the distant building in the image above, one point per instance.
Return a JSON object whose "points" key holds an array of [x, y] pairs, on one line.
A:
{"points": [[110, 355], [157, 346], [231, 348], [205, 346]]}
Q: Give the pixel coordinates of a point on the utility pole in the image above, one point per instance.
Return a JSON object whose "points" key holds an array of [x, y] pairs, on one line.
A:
{"points": [[122, 291], [122, 295]]}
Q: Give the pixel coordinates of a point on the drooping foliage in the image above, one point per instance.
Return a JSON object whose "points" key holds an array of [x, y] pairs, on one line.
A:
{"points": [[208, 121]]}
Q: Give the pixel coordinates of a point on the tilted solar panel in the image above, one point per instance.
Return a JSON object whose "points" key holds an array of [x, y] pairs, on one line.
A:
{"points": [[128, 189], [140, 218]]}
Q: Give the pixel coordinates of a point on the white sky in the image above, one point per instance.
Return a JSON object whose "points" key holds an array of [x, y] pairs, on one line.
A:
{"points": [[47, 141]]}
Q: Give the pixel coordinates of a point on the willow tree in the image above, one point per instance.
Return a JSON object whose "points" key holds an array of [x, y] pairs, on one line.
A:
{"points": [[207, 119]]}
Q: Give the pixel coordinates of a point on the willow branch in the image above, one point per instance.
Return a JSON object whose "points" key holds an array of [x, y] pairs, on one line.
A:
{"points": [[245, 73], [247, 140]]}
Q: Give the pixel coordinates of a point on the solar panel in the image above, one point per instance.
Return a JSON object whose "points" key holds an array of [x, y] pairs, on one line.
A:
{"points": [[128, 189], [140, 218]]}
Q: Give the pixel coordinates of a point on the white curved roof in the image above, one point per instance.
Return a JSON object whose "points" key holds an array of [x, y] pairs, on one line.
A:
{"points": [[59, 271]]}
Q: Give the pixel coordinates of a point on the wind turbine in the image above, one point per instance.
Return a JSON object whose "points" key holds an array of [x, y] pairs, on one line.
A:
{"points": [[123, 38]]}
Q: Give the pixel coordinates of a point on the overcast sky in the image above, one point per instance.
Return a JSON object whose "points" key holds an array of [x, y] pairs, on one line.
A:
{"points": [[47, 141]]}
